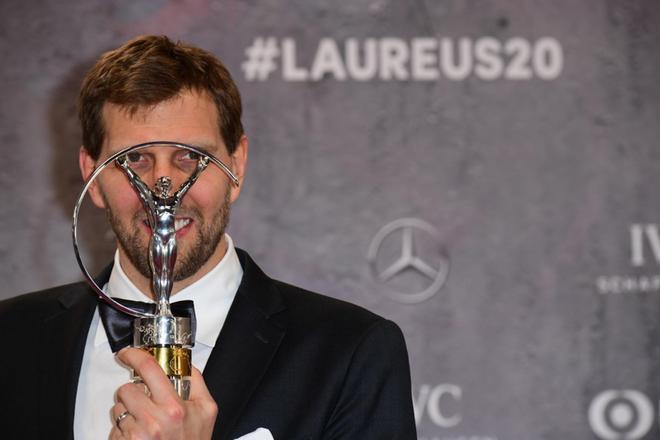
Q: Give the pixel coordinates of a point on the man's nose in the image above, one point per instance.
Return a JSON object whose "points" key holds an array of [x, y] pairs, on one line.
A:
{"points": [[165, 167]]}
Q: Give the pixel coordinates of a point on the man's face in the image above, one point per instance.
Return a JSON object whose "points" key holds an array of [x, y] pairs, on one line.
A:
{"points": [[189, 118]]}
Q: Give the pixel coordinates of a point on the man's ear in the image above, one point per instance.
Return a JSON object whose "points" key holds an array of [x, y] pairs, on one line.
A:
{"points": [[87, 166], [239, 160]]}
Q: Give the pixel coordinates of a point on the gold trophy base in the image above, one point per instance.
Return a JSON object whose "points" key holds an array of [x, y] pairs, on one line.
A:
{"points": [[175, 361], [177, 365]]}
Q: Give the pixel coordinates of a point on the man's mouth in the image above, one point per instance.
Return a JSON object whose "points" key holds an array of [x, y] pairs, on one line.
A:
{"points": [[181, 225]]}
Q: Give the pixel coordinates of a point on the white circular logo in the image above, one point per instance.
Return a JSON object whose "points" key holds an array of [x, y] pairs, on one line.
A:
{"points": [[433, 267], [620, 415]]}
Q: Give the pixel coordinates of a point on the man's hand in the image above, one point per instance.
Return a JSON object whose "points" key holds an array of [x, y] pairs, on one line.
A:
{"points": [[162, 414]]}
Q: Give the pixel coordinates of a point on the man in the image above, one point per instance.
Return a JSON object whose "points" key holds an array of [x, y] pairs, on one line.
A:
{"points": [[278, 362]]}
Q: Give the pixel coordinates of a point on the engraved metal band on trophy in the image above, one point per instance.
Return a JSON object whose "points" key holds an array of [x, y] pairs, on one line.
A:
{"points": [[175, 331], [166, 337]]}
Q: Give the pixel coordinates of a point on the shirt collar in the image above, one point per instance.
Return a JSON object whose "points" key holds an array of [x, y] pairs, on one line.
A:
{"points": [[212, 295]]}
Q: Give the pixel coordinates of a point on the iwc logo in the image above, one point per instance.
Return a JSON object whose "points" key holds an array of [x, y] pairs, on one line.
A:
{"points": [[406, 256]]}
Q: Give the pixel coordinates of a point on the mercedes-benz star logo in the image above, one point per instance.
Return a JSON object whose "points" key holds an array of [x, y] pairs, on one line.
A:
{"points": [[409, 260]]}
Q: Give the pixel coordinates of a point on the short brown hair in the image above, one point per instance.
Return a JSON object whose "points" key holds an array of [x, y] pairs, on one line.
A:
{"points": [[151, 69]]}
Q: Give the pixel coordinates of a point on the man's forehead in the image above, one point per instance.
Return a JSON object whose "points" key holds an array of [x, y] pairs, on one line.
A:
{"points": [[135, 112], [140, 112]]}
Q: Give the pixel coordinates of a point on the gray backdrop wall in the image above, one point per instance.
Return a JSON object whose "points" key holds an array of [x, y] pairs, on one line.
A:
{"points": [[483, 173]]}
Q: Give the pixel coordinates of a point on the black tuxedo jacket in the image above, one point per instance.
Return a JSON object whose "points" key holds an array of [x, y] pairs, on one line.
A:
{"points": [[302, 365]]}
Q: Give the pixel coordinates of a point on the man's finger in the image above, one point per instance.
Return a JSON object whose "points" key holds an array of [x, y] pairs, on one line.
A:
{"points": [[121, 423], [127, 429], [198, 388], [132, 397], [199, 394], [151, 373], [116, 411]]}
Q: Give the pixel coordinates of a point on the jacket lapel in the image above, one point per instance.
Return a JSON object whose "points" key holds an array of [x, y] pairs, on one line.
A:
{"points": [[63, 334], [246, 345]]}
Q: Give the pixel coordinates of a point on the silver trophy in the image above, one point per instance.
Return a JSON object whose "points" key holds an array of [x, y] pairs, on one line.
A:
{"points": [[166, 337]]}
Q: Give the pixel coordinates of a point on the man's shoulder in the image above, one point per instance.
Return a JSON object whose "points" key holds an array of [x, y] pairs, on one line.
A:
{"points": [[310, 312], [42, 302], [300, 300], [302, 306], [320, 314]]}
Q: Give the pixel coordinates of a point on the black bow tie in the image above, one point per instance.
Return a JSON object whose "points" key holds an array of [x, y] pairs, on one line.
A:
{"points": [[119, 326]]}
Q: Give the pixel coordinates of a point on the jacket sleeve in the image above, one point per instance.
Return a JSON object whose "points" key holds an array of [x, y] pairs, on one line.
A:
{"points": [[375, 401]]}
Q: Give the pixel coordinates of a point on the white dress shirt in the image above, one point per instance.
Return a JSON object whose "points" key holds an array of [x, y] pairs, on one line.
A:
{"points": [[101, 374]]}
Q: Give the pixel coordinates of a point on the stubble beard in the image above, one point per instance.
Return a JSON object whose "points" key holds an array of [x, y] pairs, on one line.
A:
{"points": [[203, 245]]}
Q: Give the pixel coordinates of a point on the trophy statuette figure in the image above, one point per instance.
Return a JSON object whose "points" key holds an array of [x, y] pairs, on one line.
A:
{"points": [[167, 337]]}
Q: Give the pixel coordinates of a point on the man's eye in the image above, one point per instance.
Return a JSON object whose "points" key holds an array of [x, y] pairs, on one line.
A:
{"points": [[190, 155], [134, 157]]}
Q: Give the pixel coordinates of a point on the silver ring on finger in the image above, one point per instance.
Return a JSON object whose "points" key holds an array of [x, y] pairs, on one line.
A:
{"points": [[121, 417]]}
